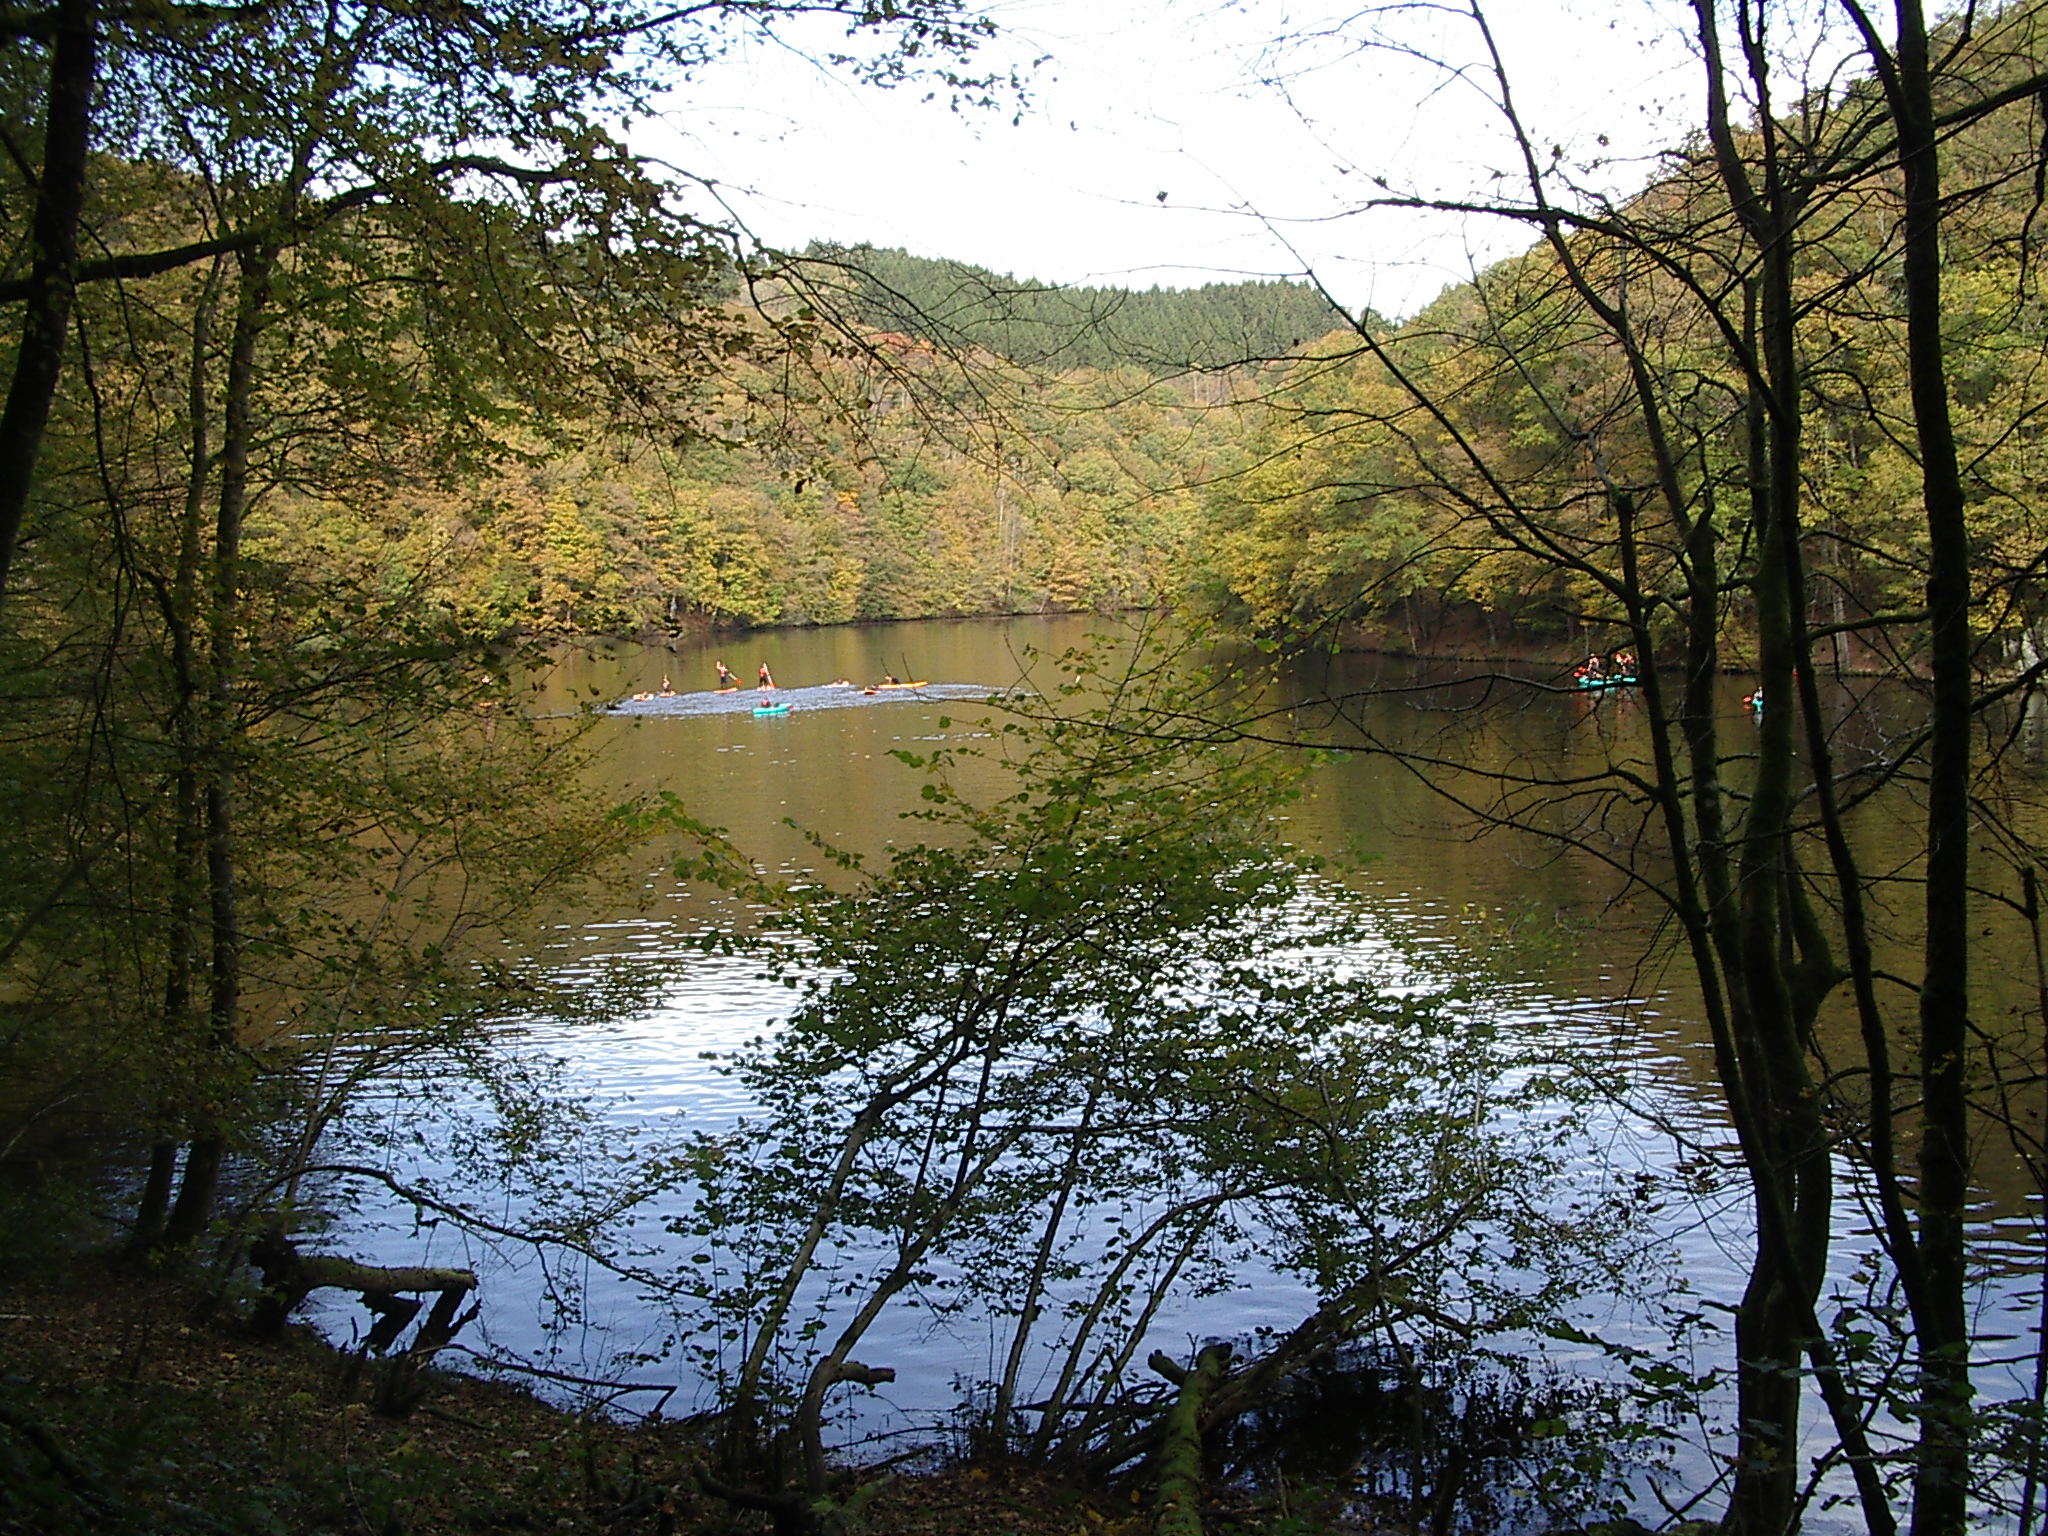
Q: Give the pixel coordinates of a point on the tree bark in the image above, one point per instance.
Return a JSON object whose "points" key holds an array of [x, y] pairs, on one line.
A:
{"points": [[209, 1147], [1769, 948], [289, 1276], [1941, 1471], [1941, 1465], [154, 1206], [1034, 1288], [180, 603], [53, 264]]}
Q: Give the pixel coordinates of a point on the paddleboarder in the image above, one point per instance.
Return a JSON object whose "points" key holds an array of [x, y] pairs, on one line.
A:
{"points": [[766, 680]]}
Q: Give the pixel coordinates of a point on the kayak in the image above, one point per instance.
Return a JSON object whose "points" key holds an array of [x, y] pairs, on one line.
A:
{"points": [[918, 684], [771, 709], [1606, 682]]}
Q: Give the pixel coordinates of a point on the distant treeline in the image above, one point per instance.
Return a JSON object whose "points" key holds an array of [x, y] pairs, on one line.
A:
{"points": [[887, 486], [969, 443], [1040, 325]]}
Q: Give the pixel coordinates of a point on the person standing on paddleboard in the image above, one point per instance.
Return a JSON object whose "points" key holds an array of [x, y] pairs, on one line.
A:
{"points": [[766, 680], [725, 678]]}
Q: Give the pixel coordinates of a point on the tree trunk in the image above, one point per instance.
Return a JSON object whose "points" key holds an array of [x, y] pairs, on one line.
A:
{"points": [[154, 1206], [180, 603], [1770, 1327], [53, 264], [1769, 948], [194, 1210], [835, 1366], [1941, 1466], [209, 1147], [1034, 1288]]}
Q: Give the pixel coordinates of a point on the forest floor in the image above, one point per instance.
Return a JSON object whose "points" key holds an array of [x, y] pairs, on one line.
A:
{"points": [[127, 1405]]}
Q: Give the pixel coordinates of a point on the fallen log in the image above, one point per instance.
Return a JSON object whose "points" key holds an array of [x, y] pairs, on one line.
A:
{"points": [[289, 1276], [1177, 1501]]}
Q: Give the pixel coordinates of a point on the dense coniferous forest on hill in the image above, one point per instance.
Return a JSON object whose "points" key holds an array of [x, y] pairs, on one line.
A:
{"points": [[1042, 325]]}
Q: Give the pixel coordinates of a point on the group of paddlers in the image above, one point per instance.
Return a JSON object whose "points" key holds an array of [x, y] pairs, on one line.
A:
{"points": [[728, 682], [1619, 667]]}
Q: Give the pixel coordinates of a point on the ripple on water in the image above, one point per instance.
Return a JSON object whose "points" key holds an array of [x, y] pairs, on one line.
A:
{"points": [[661, 1070]]}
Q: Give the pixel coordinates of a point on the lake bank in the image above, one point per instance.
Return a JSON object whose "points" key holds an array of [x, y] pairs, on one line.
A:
{"points": [[1463, 638], [134, 1402]]}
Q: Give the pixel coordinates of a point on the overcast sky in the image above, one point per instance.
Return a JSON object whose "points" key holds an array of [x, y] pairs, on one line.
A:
{"points": [[1263, 154]]}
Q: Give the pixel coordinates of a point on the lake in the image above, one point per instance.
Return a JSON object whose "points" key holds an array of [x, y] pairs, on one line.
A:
{"points": [[1570, 952]]}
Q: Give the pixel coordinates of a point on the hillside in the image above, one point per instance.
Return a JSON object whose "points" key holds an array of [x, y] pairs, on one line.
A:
{"points": [[1042, 325], [1454, 484]]}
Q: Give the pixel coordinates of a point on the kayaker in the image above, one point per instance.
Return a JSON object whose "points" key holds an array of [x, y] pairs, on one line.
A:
{"points": [[766, 681], [1590, 670], [725, 678], [889, 680]]}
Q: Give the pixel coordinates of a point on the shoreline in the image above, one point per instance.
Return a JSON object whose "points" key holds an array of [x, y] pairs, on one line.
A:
{"points": [[132, 1401], [1353, 640]]}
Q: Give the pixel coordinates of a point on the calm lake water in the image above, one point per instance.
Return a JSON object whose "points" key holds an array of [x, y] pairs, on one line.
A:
{"points": [[1581, 949]]}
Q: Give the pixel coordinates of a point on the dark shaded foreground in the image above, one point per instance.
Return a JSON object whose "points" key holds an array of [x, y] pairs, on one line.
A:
{"points": [[130, 1403]]}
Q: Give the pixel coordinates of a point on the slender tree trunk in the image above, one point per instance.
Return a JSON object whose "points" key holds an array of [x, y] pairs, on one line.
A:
{"points": [[1034, 1288], [1769, 946], [972, 1166], [746, 1392], [209, 1147], [155, 1204], [1042, 1442], [1771, 1324], [53, 264], [1942, 1466], [2037, 1162], [181, 616]]}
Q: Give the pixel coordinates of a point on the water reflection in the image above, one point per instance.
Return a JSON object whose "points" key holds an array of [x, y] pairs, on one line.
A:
{"points": [[1565, 905]]}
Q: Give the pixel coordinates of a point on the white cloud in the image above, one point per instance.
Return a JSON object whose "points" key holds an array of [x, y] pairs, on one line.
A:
{"points": [[1264, 151]]}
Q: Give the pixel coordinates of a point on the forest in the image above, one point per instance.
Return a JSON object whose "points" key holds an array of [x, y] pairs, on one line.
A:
{"points": [[361, 367], [960, 443]]}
